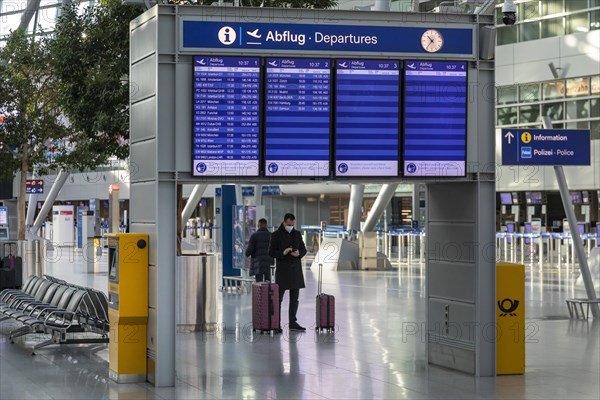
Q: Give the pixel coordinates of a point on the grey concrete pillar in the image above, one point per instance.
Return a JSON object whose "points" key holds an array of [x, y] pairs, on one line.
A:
{"points": [[355, 207], [385, 196]]}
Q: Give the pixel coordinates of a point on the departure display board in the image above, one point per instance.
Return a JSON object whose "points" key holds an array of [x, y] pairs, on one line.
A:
{"points": [[367, 117], [226, 116], [435, 118], [297, 117]]}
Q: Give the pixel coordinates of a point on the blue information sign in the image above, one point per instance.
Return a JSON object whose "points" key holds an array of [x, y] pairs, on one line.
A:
{"points": [[226, 116], [201, 34], [545, 147], [366, 117], [435, 118], [297, 117]]}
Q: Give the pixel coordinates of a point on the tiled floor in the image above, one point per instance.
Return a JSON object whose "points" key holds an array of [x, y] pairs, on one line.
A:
{"points": [[371, 355]]}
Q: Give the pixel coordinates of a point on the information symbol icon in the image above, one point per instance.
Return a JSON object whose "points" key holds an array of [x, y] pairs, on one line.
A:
{"points": [[227, 35], [273, 168], [526, 137]]}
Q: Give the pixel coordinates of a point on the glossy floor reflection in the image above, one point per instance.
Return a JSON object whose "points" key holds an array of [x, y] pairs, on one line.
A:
{"points": [[377, 351]]}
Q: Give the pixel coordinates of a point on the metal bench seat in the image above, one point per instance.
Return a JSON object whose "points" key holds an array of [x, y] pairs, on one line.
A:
{"points": [[9, 295], [19, 302], [572, 305]]}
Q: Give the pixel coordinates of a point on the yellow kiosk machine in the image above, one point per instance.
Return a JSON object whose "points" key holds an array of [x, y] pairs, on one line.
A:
{"points": [[510, 318], [128, 305]]}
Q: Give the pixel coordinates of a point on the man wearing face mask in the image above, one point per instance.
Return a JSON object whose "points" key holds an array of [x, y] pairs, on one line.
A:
{"points": [[288, 248]]}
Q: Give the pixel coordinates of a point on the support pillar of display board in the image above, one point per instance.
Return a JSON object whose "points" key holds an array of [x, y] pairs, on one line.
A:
{"points": [[164, 41], [228, 200]]}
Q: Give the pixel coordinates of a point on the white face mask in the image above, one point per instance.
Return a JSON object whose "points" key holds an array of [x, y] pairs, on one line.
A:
{"points": [[289, 228]]}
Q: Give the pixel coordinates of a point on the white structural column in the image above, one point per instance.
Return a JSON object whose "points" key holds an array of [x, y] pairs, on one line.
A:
{"points": [[29, 13], [239, 198], [258, 195], [192, 202], [575, 236], [61, 178], [383, 199], [355, 207]]}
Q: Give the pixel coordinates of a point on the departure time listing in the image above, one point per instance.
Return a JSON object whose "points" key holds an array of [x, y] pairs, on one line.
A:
{"points": [[226, 116]]}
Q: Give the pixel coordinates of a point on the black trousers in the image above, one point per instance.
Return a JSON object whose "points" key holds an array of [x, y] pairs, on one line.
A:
{"points": [[294, 294], [263, 277]]}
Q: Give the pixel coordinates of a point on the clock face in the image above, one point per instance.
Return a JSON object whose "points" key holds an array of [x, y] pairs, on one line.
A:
{"points": [[432, 41]]}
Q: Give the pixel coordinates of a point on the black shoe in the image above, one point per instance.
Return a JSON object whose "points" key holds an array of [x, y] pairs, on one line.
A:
{"points": [[294, 326]]}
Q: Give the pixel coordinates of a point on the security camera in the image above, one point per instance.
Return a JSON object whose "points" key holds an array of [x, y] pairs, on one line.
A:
{"points": [[509, 12]]}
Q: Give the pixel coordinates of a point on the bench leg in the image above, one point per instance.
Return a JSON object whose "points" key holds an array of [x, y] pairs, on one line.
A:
{"points": [[569, 305]]}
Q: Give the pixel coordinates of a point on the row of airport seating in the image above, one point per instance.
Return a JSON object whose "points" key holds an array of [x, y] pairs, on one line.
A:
{"points": [[46, 305]]}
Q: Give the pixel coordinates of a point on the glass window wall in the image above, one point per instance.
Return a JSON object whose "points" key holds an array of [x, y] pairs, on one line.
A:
{"points": [[552, 27], [529, 114], [577, 23], [556, 111], [578, 109], [529, 31], [507, 95], [507, 116], [529, 93], [553, 90]]}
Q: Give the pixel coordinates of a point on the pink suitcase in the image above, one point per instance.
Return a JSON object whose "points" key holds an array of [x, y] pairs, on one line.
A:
{"points": [[325, 307], [265, 307]]}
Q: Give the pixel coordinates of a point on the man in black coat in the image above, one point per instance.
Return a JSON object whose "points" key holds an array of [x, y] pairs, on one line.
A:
{"points": [[258, 249], [288, 248]]}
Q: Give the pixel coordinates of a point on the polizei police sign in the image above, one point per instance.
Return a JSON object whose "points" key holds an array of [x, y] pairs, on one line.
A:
{"points": [[545, 147]]}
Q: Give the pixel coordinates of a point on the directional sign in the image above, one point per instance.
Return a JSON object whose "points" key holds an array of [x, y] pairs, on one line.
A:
{"points": [[545, 147], [33, 186]]}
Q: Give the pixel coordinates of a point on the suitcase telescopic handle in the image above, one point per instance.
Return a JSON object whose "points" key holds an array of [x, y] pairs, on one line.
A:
{"points": [[10, 247], [320, 282]]}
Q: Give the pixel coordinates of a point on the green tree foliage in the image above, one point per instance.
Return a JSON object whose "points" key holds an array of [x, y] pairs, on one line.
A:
{"points": [[33, 123], [91, 61]]}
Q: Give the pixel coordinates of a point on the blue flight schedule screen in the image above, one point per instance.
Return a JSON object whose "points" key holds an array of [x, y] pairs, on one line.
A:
{"points": [[435, 118], [226, 116], [366, 117], [297, 133]]}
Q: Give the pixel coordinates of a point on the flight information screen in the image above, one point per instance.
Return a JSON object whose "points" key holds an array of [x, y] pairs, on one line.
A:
{"points": [[226, 116], [366, 117], [435, 118], [297, 118]]}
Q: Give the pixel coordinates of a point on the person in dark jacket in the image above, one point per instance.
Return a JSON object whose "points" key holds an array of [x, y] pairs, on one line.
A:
{"points": [[258, 249], [288, 248]]}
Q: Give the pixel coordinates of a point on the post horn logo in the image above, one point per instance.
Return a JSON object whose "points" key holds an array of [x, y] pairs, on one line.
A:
{"points": [[512, 306]]}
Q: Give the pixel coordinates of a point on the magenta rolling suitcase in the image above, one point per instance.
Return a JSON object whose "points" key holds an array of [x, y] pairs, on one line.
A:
{"points": [[325, 307], [265, 307]]}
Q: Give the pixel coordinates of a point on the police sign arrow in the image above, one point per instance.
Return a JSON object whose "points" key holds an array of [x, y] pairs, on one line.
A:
{"points": [[545, 147], [509, 136]]}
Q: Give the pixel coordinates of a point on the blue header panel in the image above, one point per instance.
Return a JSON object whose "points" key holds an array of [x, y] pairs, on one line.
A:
{"points": [[297, 134], [306, 37], [435, 118], [226, 116], [366, 117], [546, 147]]}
